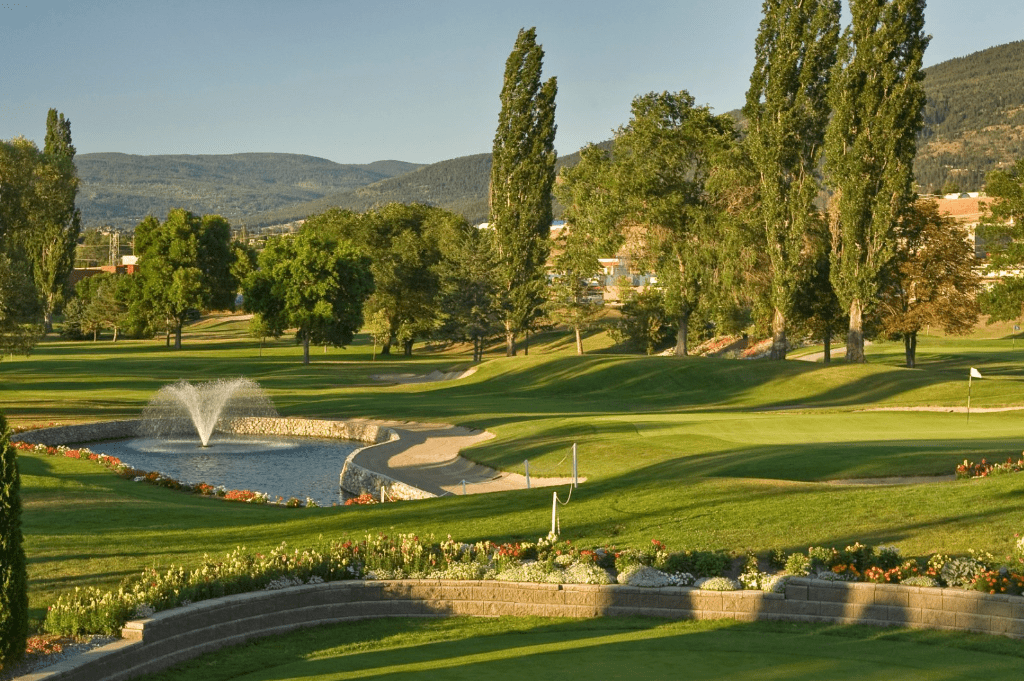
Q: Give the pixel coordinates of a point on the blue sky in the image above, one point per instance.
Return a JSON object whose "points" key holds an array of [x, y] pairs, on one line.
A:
{"points": [[357, 82]]}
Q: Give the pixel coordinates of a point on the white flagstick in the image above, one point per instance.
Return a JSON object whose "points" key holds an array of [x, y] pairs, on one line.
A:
{"points": [[974, 374]]}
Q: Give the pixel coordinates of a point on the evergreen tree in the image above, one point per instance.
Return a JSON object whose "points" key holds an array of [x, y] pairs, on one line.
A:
{"points": [[877, 97], [13, 572], [522, 173], [787, 109], [468, 288]]}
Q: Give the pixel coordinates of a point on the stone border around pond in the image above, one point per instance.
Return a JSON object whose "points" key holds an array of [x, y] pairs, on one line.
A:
{"points": [[174, 636], [353, 478]]}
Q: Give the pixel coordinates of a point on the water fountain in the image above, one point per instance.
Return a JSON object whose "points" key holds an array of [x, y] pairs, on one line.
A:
{"points": [[184, 409], [196, 432]]}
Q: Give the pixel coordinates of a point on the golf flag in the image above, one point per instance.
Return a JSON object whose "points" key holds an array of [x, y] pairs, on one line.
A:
{"points": [[974, 374]]}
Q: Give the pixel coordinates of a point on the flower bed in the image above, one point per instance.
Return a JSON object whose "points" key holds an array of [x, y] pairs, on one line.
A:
{"points": [[549, 560], [155, 478], [969, 469]]}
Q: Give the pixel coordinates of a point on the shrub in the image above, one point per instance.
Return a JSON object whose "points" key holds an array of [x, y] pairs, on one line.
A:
{"points": [[798, 564], [999, 582], [13, 572], [703, 563], [920, 580], [720, 584], [961, 572], [777, 558]]}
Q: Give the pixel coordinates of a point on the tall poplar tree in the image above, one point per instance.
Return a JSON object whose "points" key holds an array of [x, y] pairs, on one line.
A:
{"points": [[877, 96], [787, 108], [53, 244], [522, 173]]}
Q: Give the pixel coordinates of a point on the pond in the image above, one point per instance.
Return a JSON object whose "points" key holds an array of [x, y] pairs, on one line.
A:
{"points": [[280, 466]]}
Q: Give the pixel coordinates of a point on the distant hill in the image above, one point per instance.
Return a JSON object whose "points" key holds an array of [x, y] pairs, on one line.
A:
{"points": [[122, 189], [974, 119], [459, 185], [974, 122]]}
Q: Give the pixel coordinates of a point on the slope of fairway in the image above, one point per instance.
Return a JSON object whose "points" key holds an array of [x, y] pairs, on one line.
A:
{"points": [[699, 453], [609, 648]]}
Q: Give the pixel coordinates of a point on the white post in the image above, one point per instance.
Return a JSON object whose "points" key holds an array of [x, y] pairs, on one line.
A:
{"points": [[463, 488], [969, 377], [575, 477], [382, 494], [554, 512], [526, 464]]}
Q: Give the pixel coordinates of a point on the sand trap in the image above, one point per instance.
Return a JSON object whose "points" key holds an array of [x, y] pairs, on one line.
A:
{"points": [[432, 377]]}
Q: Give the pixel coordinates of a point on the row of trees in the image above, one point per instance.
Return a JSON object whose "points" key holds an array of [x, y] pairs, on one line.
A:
{"points": [[806, 220], [39, 228]]}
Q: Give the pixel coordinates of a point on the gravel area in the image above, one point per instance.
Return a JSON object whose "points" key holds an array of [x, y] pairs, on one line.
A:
{"points": [[70, 648]]}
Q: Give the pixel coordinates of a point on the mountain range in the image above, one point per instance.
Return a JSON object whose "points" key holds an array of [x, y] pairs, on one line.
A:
{"points": [[974, 123]]}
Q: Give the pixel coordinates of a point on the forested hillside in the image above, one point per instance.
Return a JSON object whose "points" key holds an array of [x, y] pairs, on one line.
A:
{"points": [[122, 189], [974, 119]]}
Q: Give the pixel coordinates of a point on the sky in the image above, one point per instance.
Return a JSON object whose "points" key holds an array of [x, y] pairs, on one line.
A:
{"points": [[368, 80]]}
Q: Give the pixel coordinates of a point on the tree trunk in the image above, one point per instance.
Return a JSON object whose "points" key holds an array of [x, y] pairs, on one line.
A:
{"points": [[95, 335], [682, 335], [167, 337], [778, 336], [305, 350], [47, 322], [910, 348], [407, 347], [510, 342], [385, 349], [115, 334], [579, 342], [177, 337], [526, 346], [827, 359], [855, 336]]}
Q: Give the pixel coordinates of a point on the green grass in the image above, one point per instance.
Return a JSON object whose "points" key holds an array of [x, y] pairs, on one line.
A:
{"points": [[700, 453], [508, 648]]}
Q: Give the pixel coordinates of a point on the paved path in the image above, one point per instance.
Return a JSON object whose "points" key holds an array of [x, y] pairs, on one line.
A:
{"points": [[427, 457]]}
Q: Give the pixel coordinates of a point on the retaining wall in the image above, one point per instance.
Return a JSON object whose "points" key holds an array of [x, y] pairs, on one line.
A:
{"points": [[181, 634], [116, 430]]}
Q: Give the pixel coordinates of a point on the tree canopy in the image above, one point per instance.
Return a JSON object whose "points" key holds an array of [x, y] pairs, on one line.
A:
{"points": [[314, 283]]}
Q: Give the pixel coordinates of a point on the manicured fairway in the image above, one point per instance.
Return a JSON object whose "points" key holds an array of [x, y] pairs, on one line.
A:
{"points": [[609, 648], [699, 453]]}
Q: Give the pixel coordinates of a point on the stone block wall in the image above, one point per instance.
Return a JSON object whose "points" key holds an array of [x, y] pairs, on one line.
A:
{"points": [[174, 636]]}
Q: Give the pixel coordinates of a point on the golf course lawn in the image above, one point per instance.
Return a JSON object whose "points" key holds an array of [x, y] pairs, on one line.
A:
{"points": [[507, 648], [700, 453]]}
